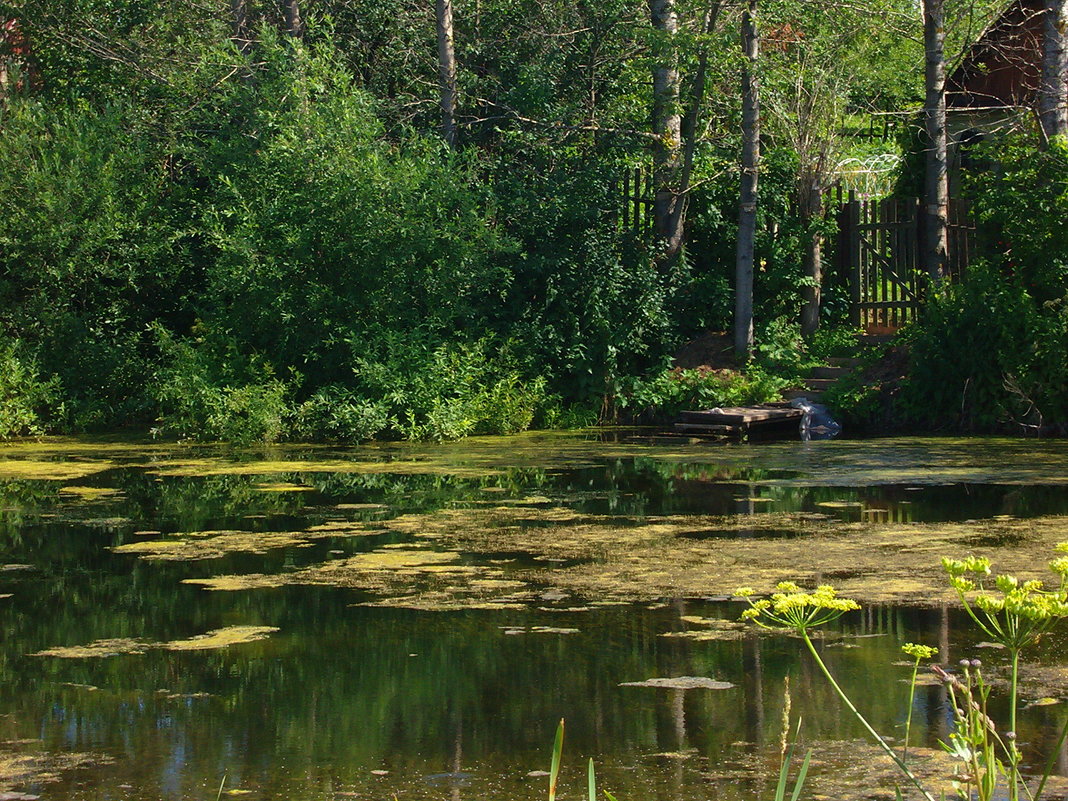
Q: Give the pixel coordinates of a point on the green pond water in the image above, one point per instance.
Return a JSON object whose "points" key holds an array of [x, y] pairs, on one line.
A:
{"points": [[402, 647]]}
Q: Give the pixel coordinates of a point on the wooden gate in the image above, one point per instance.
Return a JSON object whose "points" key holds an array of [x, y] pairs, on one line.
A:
{"points": [[880, 247], [634, 187]]}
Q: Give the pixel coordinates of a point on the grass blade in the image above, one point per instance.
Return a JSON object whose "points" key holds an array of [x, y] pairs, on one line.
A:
{"points": [[1052, 760], [592, 782], [554, 768], [784, 768], [802, 774]]}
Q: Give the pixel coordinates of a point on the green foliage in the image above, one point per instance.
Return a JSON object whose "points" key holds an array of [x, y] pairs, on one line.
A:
{"points": [[89, 253], [663, 395], [1020, 201], [337, 414], [781, 349], [986, 353], [28, 404], [994, 348], [323, 235], [284, 212], [780, 345], [587, 302], [204, 399], [452, 390], [411, 390]]}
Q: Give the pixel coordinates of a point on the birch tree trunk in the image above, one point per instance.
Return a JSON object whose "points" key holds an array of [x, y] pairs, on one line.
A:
{"points": [[239, 12], [1053, 90], [447, 71], [936, 184], [294, 24], [667, 126], [747, 206], [811, 211]]}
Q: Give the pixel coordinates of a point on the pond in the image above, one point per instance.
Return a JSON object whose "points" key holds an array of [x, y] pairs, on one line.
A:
{"points": [[411, 621]]}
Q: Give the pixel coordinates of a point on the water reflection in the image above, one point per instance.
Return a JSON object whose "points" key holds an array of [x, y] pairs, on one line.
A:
{"points": [[350, 701]]}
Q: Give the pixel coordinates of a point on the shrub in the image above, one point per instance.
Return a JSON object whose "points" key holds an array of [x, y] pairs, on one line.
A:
{"points": [[663, 395], [993, 349], [28, 403], [452, 390], [336, 413], [91, 250], [231, 399]]}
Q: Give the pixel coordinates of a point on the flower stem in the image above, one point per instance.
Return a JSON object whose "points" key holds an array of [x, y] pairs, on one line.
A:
{"points": [[849, 704], [1014, 755], [912, 701]]}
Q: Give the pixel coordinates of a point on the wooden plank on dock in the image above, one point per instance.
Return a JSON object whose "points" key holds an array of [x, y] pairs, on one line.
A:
{"points": [[742, 416], [704, 428]]}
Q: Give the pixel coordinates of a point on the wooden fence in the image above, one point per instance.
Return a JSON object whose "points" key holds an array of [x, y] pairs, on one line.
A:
{"points": [[634, 187], [880, 247]]}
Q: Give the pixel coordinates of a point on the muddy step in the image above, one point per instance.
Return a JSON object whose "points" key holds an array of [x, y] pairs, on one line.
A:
{"points": [[848, 362], [820, 384], [829, 372], [810, 394]]}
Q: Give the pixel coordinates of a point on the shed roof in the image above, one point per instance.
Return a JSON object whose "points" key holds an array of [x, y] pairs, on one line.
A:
{"points": [[1004, 65]]}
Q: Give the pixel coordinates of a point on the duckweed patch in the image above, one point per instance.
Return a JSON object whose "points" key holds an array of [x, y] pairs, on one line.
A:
{"points": [[221, 638], [90, 493], [41, 470], [681, 683], [212, 545], [538, 630], [218, 638], [658, 556], [402, 577], [219, 467], [24, 768], [1044, 681]]}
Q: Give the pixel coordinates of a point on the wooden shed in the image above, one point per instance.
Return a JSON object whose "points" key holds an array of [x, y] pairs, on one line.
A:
{"points": [[1002, 69]]}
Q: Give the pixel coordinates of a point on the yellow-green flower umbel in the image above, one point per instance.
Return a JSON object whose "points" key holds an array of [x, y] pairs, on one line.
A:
{"points": [[792, 608], [1013, 613]]}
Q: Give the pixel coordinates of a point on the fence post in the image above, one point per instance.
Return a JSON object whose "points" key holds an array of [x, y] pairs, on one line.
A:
{"points": [[856, 290]]}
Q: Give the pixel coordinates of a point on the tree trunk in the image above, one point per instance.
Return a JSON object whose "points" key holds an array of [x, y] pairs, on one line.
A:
{"points": [[747, 206], [239, 10], [811, 204], [1053, 91], [447, 71], [936, 185], [667, 126], [294, 24]]}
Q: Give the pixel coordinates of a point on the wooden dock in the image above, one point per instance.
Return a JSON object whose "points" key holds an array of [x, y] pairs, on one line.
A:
{"points": [[740, 421]]}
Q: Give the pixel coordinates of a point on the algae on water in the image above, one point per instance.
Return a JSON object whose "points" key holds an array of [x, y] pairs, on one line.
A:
{"points": [[218, 638]]}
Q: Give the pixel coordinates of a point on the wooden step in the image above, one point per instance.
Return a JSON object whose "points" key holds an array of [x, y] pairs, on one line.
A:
{"points": [[845, 361], [810, 394], [828, 372], [820, 384]]}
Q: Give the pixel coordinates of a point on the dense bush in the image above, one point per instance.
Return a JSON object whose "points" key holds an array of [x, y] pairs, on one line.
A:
{"points": [[268, 241], [994, 348], [450, 391], [28, 403], [664, 395], [90, 251]]}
